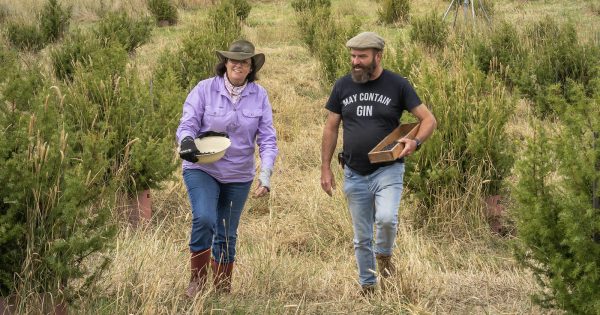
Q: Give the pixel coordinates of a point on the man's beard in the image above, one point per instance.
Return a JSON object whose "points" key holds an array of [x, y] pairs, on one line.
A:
{"points": [[364, 74]]}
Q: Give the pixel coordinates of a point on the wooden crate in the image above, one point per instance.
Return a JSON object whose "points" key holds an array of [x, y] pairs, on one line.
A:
{"points": [[382, 154]]}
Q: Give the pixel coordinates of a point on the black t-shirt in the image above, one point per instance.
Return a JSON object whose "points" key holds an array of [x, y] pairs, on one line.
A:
{"points": [[370, 111]]}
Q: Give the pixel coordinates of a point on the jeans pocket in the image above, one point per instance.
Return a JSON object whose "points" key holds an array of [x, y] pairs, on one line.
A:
{"points": [[348, 172]]}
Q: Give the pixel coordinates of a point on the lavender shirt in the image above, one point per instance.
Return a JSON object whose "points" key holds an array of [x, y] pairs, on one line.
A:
{"points": [[249, 121]]}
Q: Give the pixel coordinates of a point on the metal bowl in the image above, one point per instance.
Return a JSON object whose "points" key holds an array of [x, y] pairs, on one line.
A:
{"points": [[212, 148]]}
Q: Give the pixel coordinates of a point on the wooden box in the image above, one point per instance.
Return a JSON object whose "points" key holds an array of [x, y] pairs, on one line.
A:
{"points": [[386, 151]]}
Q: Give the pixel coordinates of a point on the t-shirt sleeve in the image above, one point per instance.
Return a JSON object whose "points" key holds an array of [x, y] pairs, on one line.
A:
{"points": [[333, 103], [409, 95]]}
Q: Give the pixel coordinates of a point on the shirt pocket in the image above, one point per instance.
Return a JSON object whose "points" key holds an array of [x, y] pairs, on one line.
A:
{"points": [[214, 111], [215, 118], [251, 113], [250, 117]]}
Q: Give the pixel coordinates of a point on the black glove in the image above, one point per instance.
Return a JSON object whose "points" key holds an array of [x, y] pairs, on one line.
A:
{"points": [[188, 150]]}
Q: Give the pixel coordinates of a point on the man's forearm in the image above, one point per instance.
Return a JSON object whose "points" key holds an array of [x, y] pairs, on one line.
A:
{"points": [[328, 146], [426, 128]]}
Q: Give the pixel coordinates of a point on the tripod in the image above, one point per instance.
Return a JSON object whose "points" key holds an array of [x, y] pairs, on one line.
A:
{"points": [[466, 4]]}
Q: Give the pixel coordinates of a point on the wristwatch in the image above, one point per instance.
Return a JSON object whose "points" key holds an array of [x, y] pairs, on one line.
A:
{"points": [[418, 144]]}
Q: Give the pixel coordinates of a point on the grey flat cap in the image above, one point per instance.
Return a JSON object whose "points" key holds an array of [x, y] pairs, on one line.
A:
{"points": [[366, 40]]}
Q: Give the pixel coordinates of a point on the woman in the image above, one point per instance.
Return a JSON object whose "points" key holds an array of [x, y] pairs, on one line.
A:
{"points": [[233, 104]]}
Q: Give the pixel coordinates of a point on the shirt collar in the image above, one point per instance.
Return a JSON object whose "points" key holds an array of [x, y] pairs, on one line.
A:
{"points": [[234, 91]]}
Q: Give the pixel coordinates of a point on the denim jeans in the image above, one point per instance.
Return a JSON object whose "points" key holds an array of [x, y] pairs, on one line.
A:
{"points": [[373, 199], [216, 211]]}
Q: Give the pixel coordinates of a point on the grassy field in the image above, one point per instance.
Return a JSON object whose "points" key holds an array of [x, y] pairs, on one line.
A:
{"points": [[295, 252]]}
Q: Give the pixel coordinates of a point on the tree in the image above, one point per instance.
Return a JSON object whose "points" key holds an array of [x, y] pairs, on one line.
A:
{"points": [[557, 223]]}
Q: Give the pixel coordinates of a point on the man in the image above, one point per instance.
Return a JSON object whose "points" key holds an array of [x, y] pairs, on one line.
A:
{"points": [[370, 101]]}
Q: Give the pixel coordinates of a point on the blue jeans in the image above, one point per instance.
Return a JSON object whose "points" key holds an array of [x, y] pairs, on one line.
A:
{"points": [[373, 199], [216, 211]]}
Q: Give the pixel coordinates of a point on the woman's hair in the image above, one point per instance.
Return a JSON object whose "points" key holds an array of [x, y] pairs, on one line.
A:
{"points": [[220, 70]]}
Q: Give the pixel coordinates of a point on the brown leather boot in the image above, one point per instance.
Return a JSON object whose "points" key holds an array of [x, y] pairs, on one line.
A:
{"points": [[222, 276], [367, 291], [199, 269], [385, 266]]}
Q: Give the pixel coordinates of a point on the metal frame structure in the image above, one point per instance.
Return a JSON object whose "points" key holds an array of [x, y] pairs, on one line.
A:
{"points": [[466, 4]]}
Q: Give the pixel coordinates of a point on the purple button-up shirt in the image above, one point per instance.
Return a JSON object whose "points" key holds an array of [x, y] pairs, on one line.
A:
{"points": [[208, 107]]}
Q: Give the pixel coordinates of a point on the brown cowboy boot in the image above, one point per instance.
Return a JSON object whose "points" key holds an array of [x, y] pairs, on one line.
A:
{"points": [[222, 276], [367, 291], [199, 269], [385, 266]]}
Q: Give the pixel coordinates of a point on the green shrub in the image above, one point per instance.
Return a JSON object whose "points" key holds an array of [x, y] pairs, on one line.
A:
{"points": [[303, 5], [467, 158], [196, 58], [75, 49], [504, 49], [394, 11], [430, 30], [119, 27], [540, 63], [331, 50], [501, 52], [25, 37], [112, 103], [51, 220], [163, 10], [563, 57], [54, 20], [242, 9], [310, 22], [558, 226], [555, 57], [407, 58], [21, 86], [326, 38], [17, 85], [224, 18], [98, 77]]}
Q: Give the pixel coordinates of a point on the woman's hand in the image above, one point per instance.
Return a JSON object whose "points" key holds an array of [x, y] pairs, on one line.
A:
{"points": [[261, 191], [264, 183], [188, 150]]}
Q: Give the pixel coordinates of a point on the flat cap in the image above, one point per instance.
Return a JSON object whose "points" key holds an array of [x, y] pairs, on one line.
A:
{"points": [[366, 40]]}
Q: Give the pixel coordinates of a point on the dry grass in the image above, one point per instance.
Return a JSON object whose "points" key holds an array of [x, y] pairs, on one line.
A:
{"points": [[91, 10], [295, 248]]}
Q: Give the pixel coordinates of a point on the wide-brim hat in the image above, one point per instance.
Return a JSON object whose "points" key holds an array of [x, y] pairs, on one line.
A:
{"points": [[242, 50], [212, 148]]}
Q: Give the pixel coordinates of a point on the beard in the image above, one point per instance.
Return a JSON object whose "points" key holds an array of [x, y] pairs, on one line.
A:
{"points": [[362, 74]]}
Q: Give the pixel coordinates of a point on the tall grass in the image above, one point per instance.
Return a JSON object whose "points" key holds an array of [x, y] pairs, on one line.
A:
{"points": [[394, 11]]}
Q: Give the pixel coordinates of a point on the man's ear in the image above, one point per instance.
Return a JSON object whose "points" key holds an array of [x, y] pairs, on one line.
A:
{"points": [[378, 55]]}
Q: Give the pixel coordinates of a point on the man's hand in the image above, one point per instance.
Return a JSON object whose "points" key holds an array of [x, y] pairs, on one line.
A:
{"points": [[330, 134], [327, 181], [410, 146], [188, 150]]}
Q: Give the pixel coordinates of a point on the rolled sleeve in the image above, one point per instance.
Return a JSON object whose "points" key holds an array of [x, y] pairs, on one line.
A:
{"points": [[266, 137]]}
